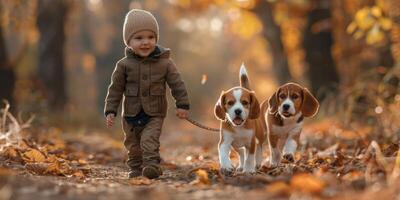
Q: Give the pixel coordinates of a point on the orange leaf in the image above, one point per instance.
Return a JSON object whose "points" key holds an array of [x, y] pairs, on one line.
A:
{"points": [[34, 155], [79, 174], [202, 178], [204, 79], [140, 181], [11, 152], [307, 183], [278, 188]]}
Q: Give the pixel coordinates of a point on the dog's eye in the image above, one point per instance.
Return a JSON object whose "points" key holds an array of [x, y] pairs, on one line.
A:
{"points": [[230, 103], [245, 103], [295, 96], [282, 96]]}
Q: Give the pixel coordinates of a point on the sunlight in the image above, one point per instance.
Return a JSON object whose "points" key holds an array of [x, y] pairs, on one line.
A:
{"points": [[94, 4], [185, 25], [216, 24]]}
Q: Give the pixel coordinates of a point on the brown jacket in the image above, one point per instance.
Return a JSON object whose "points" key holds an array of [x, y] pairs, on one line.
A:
{"points": [[140, 83]]}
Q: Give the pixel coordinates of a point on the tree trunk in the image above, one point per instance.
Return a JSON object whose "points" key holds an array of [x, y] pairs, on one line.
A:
{"points": [[7, 75], [318, 42], [272, 33], [50, 21]]}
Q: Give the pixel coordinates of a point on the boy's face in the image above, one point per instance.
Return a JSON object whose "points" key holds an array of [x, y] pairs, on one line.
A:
{"points": [[143, 43]]}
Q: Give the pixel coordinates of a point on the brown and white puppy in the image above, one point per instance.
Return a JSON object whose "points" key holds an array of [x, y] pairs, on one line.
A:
{"points": [[283, 114], [241, 127]]}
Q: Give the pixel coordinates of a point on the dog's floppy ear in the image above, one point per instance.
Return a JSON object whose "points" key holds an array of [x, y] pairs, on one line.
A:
{"points": [[219, 109], [310, 104], [273, 103], [254, 106]]}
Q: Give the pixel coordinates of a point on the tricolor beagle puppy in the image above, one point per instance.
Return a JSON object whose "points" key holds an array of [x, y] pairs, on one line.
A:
{"points": [[241, 127], [283, 114]]}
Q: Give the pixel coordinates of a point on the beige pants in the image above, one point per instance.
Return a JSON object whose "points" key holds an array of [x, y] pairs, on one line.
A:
{"points": [[143, 143]]}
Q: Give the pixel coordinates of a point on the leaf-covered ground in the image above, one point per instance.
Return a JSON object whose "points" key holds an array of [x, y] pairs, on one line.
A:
{"points": [[332, 163]]}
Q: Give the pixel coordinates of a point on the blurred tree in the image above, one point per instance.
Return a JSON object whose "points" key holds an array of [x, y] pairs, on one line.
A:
{"points": [[394, 13], [105, 25], [51, 20], [272, 33], [318, 43], [7, 75]]}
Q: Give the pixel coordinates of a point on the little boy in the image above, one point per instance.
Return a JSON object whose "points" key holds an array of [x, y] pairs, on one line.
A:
{"points": [[139, 81]]}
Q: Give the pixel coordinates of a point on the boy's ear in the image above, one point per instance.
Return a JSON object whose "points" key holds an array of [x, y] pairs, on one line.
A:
{"points": [[219, 109]]}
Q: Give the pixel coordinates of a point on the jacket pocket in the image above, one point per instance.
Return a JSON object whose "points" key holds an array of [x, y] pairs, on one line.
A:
{"points": [[131, 90], [158, 102]]}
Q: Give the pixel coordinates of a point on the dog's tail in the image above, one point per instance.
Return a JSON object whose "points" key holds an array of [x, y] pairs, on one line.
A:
{"points": [[243, 77]]}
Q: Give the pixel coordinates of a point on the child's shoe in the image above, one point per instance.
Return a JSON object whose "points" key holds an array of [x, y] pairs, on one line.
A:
{"points": [[151, 172]]}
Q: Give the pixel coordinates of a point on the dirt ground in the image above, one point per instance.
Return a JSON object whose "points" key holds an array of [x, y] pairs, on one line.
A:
{"points": [[88, 164]]}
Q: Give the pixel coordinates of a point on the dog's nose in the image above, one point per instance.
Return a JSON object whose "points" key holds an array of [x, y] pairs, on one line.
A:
{"points": [[238, 111], [286, 107]]}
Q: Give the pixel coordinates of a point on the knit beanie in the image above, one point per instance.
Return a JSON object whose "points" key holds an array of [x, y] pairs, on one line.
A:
{"points": [[139, 20]]}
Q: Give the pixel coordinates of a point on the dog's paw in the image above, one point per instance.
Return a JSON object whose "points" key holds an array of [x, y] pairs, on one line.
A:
{"points": [[289, 158], [239, 169], [249, 172], [227, 171]]}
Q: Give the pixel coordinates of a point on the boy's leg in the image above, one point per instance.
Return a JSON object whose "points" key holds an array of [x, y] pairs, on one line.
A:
{"points": [[132, 144], [150, 145]]}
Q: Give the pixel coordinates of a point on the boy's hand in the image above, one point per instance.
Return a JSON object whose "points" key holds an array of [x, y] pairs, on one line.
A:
{"points": [[110, 120], [182, 113]]}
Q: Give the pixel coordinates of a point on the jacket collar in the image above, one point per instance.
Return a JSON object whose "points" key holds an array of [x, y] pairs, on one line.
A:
{"points": [[159, 52]]}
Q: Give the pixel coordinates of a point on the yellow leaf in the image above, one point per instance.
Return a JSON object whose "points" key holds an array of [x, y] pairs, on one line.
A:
{"points": [[376, 11], [351, 27], [363, 19], [362, 14], [307, 183], [374, 35], [34, 155], [385, 23], [359, 34]]}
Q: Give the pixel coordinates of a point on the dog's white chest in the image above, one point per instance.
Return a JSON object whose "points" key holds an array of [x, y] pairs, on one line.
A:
{"points": [[240, 137]]}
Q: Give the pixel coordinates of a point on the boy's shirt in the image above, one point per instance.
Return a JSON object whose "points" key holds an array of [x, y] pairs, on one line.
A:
{"points": [[140, 83]]}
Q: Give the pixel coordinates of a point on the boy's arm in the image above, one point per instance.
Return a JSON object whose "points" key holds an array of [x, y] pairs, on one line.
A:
{"points": [[115, 90], [178, 89]]}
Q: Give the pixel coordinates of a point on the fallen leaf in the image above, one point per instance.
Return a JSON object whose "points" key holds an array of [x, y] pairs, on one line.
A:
{"points": [[140, 181], [34, 155], [79, 174], [37, 168], [307, 183], [204, 79], [201, 178], [396, 170], [11, 152], [278, 188]]}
